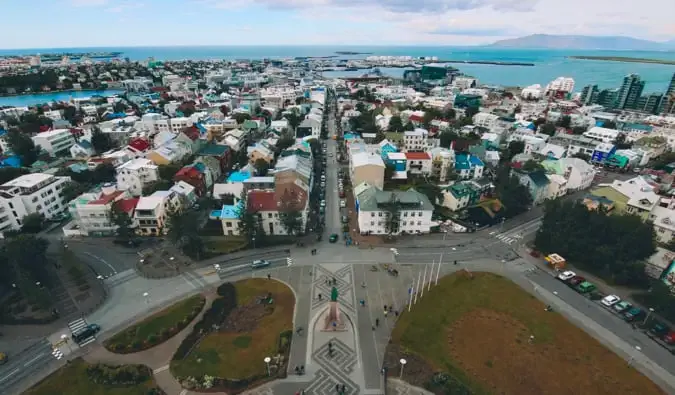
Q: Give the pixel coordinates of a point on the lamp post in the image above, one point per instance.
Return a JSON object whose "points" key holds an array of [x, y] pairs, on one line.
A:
{"points": [[64, 338], [651, 310], [267, 363], [147, 297], [402, 361]]}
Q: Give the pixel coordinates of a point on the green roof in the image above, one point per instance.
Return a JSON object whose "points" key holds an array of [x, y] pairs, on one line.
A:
{"points": [[372, 199]]}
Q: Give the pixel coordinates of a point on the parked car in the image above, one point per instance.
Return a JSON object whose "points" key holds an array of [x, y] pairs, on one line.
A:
{"points": [[610, 300], [85, 333], [566, 275], [576, 280], [343, 204], [345, 219], [633, 314], [323, 203], [669, 338], [585, 287], [342, 193], [333, 238], [260, 263], [622, 306], [659, 329]]}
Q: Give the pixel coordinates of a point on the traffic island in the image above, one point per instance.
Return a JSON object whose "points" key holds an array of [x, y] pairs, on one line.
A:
{"points": [[242, 341], [491, 336]]}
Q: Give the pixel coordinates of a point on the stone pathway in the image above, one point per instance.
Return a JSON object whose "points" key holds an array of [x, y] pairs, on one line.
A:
{"points": [[400, 387]]}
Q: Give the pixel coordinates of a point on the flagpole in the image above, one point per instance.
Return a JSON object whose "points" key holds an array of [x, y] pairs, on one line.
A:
{"points": [[438, 272], [424, 279], [431, 275], [417, 288]]}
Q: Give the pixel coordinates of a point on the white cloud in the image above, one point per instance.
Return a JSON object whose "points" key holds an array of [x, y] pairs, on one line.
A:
{"points": [[123, 7], [88, 3]]}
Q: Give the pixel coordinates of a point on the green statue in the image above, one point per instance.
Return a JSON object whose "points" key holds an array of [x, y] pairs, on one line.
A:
{"points": [[334, 295]]}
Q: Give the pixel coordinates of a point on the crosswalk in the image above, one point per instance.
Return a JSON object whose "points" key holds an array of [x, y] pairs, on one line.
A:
{"points": [[78, 324], [516, 234], [57, 353], [509, 239]]}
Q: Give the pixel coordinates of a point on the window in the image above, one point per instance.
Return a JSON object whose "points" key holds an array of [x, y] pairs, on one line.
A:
{"points": [[372, 223], [379, 223], [11, 205], [372, 214], [412, 214], [269, 215], [228, 224], [379, 214], [404, 223], [419, 222], [419, 214], [405, 213]]}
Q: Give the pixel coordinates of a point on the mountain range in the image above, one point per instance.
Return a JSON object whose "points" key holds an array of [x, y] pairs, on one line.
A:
{"points": [[549, 41]]}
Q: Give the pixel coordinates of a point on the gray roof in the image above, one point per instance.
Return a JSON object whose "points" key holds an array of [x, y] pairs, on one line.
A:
{"points": [[372, 199]]}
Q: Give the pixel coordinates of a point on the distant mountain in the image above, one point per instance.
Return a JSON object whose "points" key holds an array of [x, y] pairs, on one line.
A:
{"points": [[549, 41]]}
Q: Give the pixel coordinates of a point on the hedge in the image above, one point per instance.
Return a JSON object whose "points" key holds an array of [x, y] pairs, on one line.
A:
{"points": [[122, 375]]}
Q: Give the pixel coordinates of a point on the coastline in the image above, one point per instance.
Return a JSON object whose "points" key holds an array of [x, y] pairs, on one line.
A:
{"points": [[59, 91], [624, 59]]}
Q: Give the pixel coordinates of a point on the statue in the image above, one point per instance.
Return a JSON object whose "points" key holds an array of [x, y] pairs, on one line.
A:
{"points": [[333, 321]]}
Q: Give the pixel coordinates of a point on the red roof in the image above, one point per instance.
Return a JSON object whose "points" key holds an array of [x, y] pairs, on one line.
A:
{"points": [[417, 156], [192, 132], [139, 144], [415, 118], [189, 171], [127, 205], [105, 199], [262, 201]]}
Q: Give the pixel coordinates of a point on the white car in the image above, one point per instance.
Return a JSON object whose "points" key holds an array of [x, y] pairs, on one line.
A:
{"points": [[343, 204], [257, 264], [323, 177], [610, 300], [566, 275], [323, 203]]}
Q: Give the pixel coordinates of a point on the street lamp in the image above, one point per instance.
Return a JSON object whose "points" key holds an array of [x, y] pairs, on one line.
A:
{"points": [[64, 338], [651, 310], [402, 361], [147, 297], [632, 357], [267, 363]]}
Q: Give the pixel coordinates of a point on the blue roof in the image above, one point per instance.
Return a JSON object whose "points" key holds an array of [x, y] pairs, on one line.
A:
{"points": [[116, 115], [229, 212], [239, 176], [349, 136], [2, 132], [462, 162], [476, 160], [78, 167], [12, 161], [201, 128], [199, 166], [85, 144]]}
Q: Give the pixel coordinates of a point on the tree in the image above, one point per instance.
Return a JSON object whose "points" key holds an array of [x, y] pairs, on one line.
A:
{"points": [[532, 165], [154, 186], [225, 110], [514, 196], [23, 146], [294, 119], [565, 121], [241, 117], [9, 173], [471, 111], [578, 130], [285, 141], [609, 125], [446, 138], [548, 128], [514, 148], [539, 121], [250, 222], [26, 254], [100, 141], [621, 142], [73, 189], [167, 172], [409, 126], [290, 215], [184, 233], [449, 114], [261, 167], [122, 222], [395, 124], [392, 214], [32, 223]]}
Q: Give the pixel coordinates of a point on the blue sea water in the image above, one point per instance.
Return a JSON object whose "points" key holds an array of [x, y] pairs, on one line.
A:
{"points": [[40, 98], [549, 64]]}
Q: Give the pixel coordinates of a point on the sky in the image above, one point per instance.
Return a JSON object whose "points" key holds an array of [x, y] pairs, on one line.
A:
{"points": [[116, 23]]}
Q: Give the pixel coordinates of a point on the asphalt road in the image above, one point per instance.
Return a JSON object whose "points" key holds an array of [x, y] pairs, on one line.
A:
{"points": [[23, 365]]}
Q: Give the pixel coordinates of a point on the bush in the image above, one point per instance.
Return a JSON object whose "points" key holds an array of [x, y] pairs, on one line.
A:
{"points": [[122, 375], [164, 333], [136, 345], [152, 339], [443, 383], [285, 338]]}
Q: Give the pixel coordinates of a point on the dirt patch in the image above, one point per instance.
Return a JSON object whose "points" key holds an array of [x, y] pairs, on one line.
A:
{"points": [[246, 318], [418, 372], [497, 350]]}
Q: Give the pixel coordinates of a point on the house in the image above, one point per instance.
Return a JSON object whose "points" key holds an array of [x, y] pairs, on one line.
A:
{"points": [[386, 147], [536, 182], [35, 193], [602, 134], [229, 217], [602, 152], [415, 140], [236, 139], [222, 153], [373, 206], [191, 138], [54, 142], [557, 186], [663, 220], [461, 195], [397, 160], [468, 166], [418, 162], [197, 175], [170, 153], [442, 161], [260, 151], [135, 174], [152, 212], [280, 126], [578, 173], [552, 151], [367, 167], [82, 149], [310, 126], [635, 196], [138, 147], [186, 191], [268, 205], [91, 211]]}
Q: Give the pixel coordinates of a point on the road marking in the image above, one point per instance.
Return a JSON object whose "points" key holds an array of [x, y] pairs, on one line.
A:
{"points": [[183, 392], [33, 360], [13, 372], [103, 260], [159, 370]]}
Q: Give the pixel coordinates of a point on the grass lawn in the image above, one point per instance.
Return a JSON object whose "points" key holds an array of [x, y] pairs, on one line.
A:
{"points": [[73, 379], [165, 319], [250, 334], [225, 244], [480, 335]]}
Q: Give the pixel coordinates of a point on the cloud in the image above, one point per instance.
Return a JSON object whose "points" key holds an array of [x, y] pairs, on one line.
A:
{"points": [[88, 3], [123, 7]]}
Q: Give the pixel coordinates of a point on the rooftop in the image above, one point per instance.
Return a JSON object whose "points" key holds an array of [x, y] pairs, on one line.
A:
{"points": [[28, 180]]}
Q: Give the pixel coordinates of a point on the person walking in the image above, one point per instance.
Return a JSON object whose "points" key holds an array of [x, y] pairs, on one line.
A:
{"points": [[377, 322]]}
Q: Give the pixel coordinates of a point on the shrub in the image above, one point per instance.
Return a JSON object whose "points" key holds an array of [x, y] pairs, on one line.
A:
{"points": [[136, 345], [164, 333], [444, 383], [152, 339], [285, 338], [122, 375]]}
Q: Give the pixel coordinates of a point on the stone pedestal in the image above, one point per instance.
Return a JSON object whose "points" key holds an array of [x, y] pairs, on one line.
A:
{"points": [[333, 319]]}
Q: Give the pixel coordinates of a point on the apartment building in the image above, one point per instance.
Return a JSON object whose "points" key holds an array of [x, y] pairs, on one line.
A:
{"points": [[414, 208], [415, 140], [91, 211], [55, 141], [133, 175], [152, 212], [30, 194]]}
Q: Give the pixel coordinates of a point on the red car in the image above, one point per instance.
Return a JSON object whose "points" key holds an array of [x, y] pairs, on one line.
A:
{"points": [[342, 193], [669, 338], [576, 280]]}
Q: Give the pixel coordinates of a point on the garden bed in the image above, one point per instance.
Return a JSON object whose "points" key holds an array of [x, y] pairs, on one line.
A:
{"points": [[156, 329], [479, 341], [229, 357], [79, 377]]}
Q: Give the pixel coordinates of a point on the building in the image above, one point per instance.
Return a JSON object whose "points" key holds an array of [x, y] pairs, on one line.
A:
{"points": [[415, 140], [560, 84], [152, 212], [461, 195], [91, 211], [418, 163], [537, 183], [135, 174], [602, 134], [634, 196], [589, 95], [577, 172], [35, 193], [55, 142], [468, 166], [630, 92], [82, 149], [367, 167], [667, 105], [374, 207], [485, 120]]}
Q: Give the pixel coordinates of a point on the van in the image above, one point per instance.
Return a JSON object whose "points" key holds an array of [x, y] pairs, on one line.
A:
{"points": [[85, 333]]}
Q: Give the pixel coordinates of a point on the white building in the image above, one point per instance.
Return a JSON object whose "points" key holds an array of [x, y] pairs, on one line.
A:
{"points": [[30, 194], [602, 134], [55, 141], [415, 140], [152, 212], [415, 211], [532, 92], [133, 175], [560, 84], [91, 212], [485, 120]]}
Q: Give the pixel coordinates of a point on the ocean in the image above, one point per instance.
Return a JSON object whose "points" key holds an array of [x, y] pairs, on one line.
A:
{"points": [[549, 64]]}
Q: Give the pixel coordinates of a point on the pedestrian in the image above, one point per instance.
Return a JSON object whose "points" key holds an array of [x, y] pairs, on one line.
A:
{"points": [[385, 313], [377, 322], [319, 296], [390, 308], [269, 276], [385, 307], [396, 312], [362, 302], [344, 388], [337, 387]]}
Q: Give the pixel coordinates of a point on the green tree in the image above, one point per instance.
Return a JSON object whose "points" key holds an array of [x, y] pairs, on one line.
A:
{"points": [[290, 215], [250, 222], [26, 254], [565, 121], [154, 186], [285, 141], [294, 119], [578, 130], [392, 214], [167, 172], [514, 148], [101, 141], [183, 232], [514, 196], [261, 167], [33, 223], [547, 128], [23, 146], [446, 138], [122, 222], [73, 189], [241, 117], [9, 173], [395, 124], [471, 111], [409, 126], [449, 114], [532, 165]]}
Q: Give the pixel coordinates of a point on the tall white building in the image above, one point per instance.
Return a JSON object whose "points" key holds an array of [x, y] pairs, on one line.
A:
{"points": [[133, 175], [55, 141], [560, 84], [29, 194]]}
